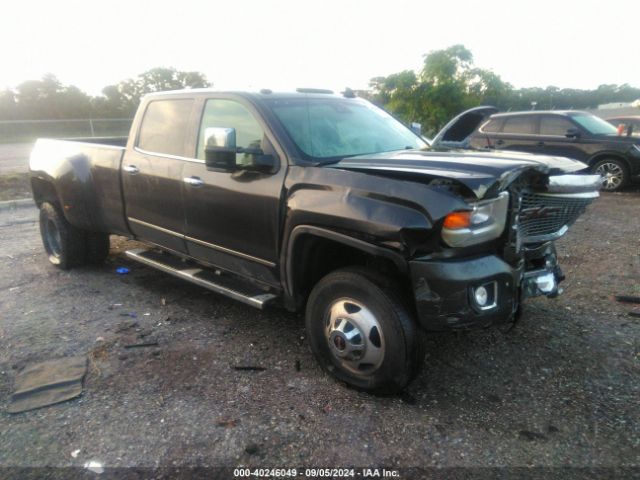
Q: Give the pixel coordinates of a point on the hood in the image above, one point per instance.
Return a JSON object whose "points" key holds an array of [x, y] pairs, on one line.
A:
{"points": [[458, 131], [481, 172]]}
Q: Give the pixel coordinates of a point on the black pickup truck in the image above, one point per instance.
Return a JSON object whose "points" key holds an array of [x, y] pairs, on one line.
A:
{"points": [[317, 202]]}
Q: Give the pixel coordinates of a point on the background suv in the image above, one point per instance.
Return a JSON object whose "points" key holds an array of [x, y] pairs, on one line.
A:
{"points": [[573, 134]]}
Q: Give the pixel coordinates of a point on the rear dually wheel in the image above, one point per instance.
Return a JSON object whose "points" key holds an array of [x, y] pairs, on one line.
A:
{"points": [[66, 245]]}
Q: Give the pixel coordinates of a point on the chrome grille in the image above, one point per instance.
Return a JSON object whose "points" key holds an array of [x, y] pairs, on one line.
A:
{"points": [[543, 217]]}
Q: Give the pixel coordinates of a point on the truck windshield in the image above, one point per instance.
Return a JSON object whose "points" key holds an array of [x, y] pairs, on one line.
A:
{"points": [[595, 125], [331, 128]]}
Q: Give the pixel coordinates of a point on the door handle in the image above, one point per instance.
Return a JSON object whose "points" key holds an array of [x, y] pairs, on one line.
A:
{"points": [[540, 144], [132, 169], [193, 181], [499, 142]]}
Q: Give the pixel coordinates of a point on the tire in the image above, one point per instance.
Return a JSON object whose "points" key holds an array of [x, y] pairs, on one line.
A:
{"points": [[97, 247], [65, 244], [361, 332], [615, 174]]}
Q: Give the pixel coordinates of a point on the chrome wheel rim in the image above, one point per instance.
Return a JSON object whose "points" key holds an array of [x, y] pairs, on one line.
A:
{"points": [[52, 236], [354, 336], [612, 175]]}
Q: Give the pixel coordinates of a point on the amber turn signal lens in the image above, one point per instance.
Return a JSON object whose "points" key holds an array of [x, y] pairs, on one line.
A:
{"points": [[457, 220]]}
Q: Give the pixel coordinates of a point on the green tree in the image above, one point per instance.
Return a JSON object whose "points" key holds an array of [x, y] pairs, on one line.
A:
{"points": [[487, 88], [440, 90], [449, 83], [123, 99], [48, 98], [8, 105]]}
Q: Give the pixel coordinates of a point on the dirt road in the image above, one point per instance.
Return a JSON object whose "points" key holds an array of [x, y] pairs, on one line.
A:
{"points": [[14, 157]]}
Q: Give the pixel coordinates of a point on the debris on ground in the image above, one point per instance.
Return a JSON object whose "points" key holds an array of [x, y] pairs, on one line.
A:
{"points": [[129, 314], [98, 353], [47, 383], [75, 453], [531, 436], [627, 298], [124, 326], [227, 422], [94, 466], [122, 270], [298, 366], [249, 368], [140, 345], [635, 312]]}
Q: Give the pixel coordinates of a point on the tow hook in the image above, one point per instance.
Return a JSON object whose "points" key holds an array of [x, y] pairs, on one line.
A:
{"points": [[542, 282]]}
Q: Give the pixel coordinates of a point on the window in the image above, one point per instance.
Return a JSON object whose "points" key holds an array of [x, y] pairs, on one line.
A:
{"points": [[595, 125], [555, 125], [492, 126], [231, 114], [523, 125], [335, 128], [164, 126]]}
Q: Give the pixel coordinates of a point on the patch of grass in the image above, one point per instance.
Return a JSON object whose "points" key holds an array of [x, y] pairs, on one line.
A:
{"points": [[14, 186]]}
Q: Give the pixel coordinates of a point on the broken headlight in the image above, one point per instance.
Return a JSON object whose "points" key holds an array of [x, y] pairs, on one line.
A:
{"points": [[483, 221]]}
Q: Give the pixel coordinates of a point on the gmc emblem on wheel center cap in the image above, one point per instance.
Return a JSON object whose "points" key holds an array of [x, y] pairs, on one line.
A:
{"points": [[538, 212], [339, 342]]}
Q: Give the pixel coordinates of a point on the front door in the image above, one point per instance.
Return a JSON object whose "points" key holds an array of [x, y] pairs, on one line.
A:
{"points": [[232, 217], [152, 174], [553, 130]]}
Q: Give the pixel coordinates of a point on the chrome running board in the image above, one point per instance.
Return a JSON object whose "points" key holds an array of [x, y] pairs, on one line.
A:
{"points": [[227, 285]]}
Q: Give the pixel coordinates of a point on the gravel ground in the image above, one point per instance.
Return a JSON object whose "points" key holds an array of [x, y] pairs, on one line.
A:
{"points": [[14, 186], [14, 157], [560, 390]]}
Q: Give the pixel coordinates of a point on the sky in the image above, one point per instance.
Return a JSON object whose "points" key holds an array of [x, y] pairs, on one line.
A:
{"points": [[283, 44]]}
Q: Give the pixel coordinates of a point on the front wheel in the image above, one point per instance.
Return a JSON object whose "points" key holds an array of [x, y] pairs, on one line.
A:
{"points": [[614, 173], [361, 332]]}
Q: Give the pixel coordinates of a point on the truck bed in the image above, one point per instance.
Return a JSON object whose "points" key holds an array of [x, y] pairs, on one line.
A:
{"points": [[86, 176]]}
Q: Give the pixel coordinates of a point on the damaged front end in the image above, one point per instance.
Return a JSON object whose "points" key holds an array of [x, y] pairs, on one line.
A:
{"points": [[485, 284], [539, 216]]}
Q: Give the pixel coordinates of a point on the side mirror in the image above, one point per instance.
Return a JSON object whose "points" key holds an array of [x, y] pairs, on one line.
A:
{"points": [[220, 148], [572, 133], [416, 128]]}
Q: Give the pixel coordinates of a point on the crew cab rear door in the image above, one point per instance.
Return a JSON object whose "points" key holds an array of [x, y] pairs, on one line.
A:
{"points": [[152, 172], [518, 132], [233, 214]]}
